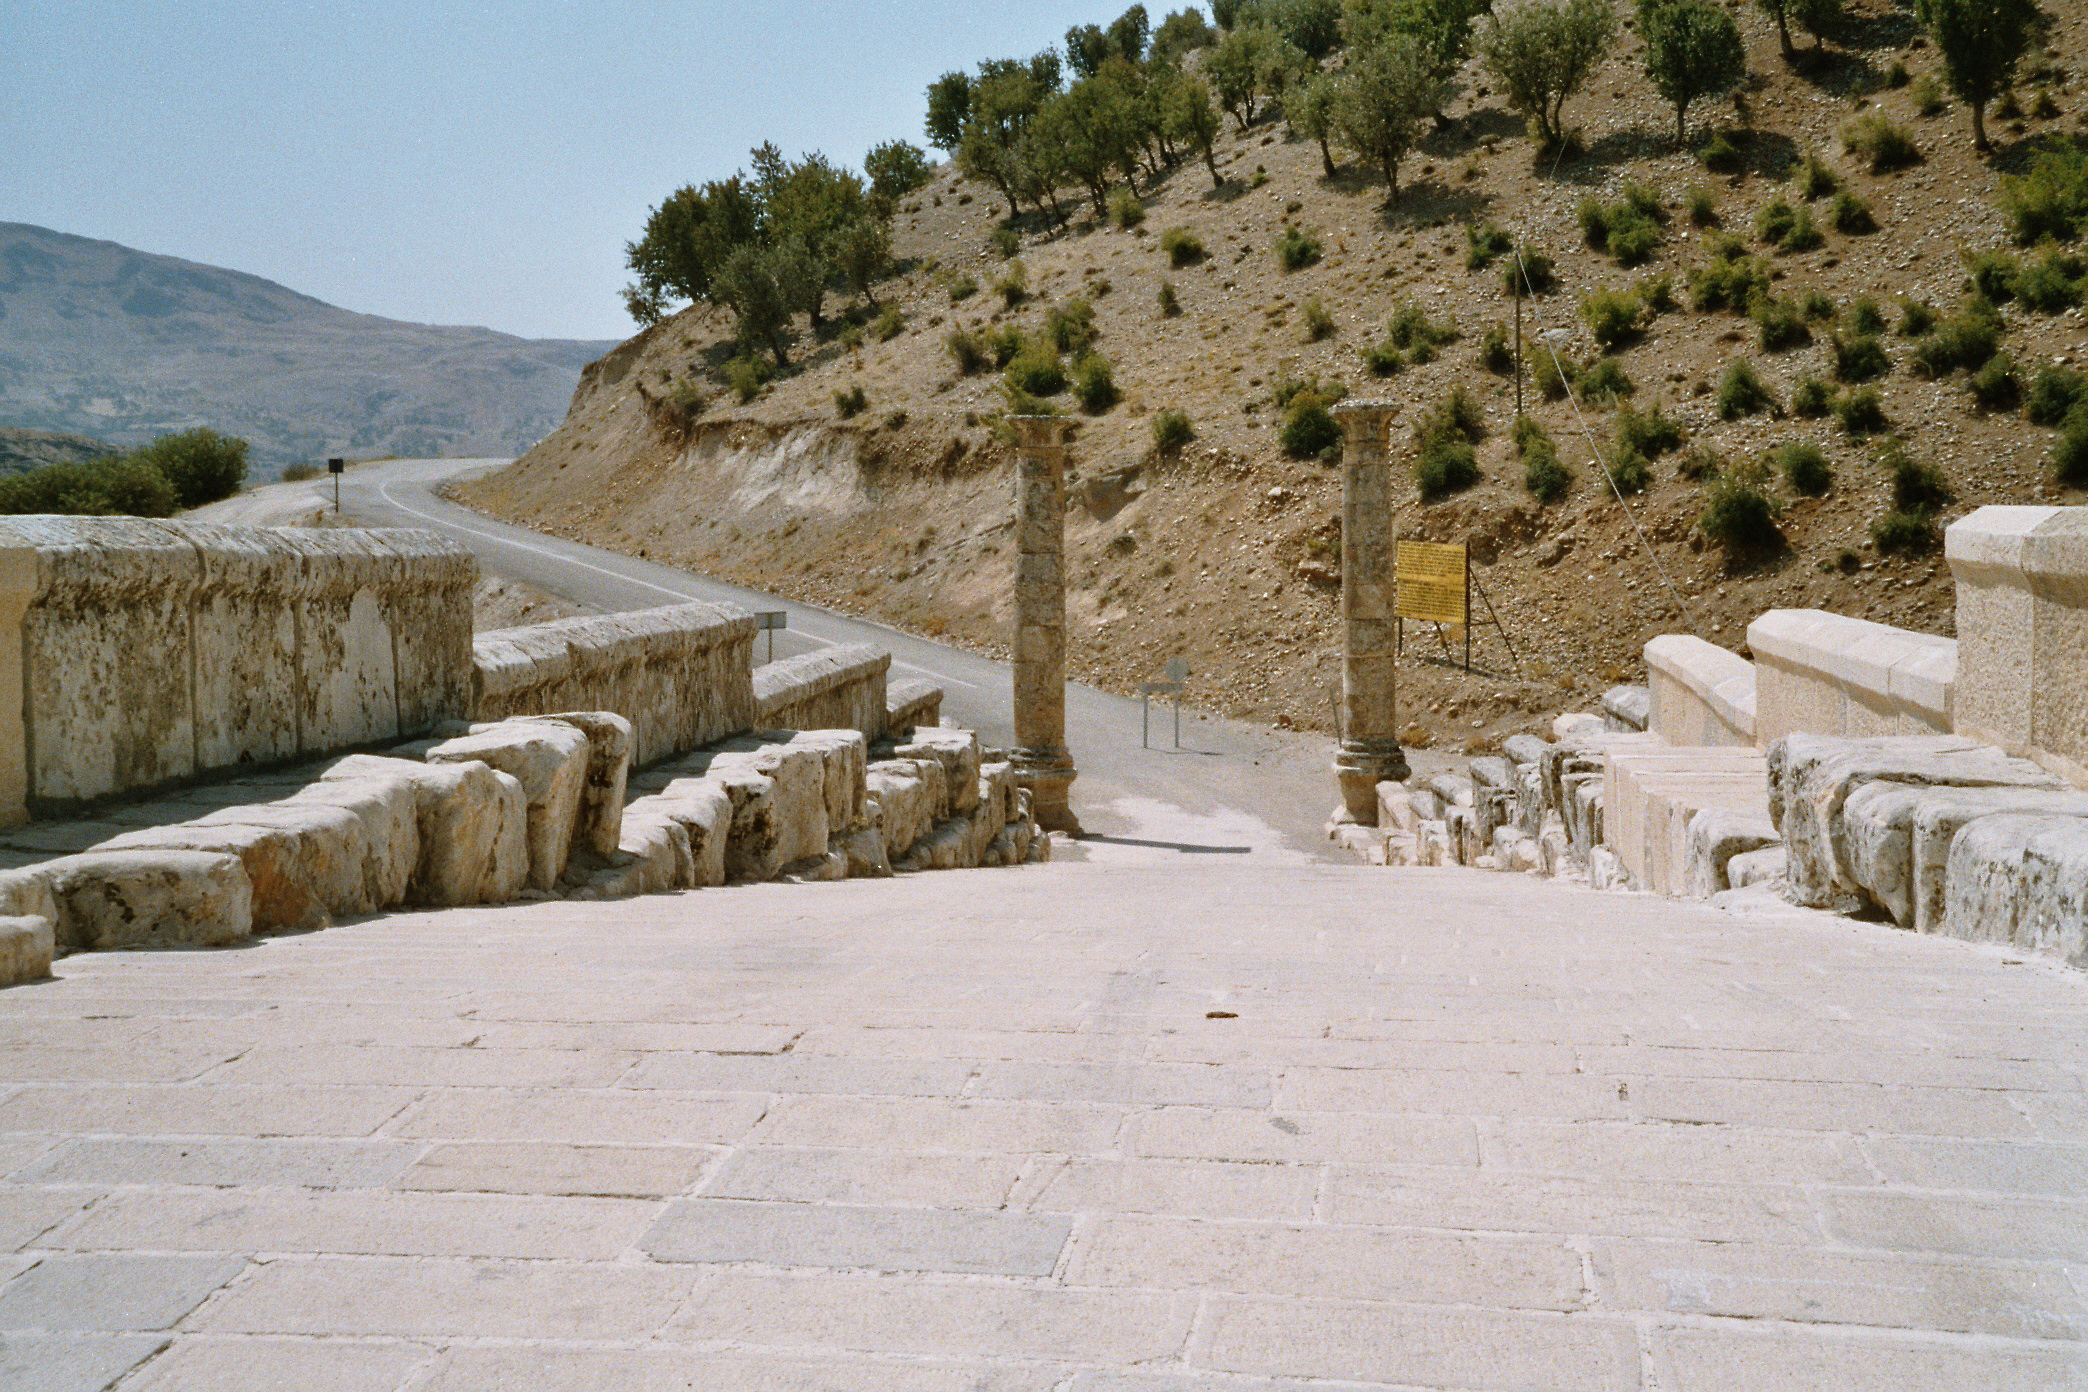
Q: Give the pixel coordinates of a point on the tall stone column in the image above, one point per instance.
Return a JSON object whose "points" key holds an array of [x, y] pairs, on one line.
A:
{"points": [[1370, 751], [1041, 762]]}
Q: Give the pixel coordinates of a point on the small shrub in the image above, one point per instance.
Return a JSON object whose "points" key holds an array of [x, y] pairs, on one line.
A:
{"points": [[1258, 178], [1384, 360], [1965, 340], [1094, 384], [1990, 273], [1036, 371], [2051, 200], [1811, 398], [1319, 323], [1456, 414], [1720, 155], [1885, 145], [1411, 328], [1604, 380], [1656, 293], [300, 471], [746, 375], [1172, 430], [1484, 243], [1005, 241], [1700, 207], [1170, 303], [1125, 211], [1003, 344], [1918, 487], [1070, 327], [1863, 316], [1628, 230], [1298, 248], [1779, 325], [1896, 76], [2045, 107], [1773, 219], [1699, 464], [1495, 353], [2050, 284], [1532, 268], [1526, 433], [1801, 234], [1804, 468], [1446, 466], [1917, 317], [1544, 476], [2008, 108], [2053, 395], [1903, 534], [963, 288], [851, 403], [1308, 430], [851, 338], [1851, 216], [1628, 470], [1741, 393], [1013, 286], [1739, 516], [1611, 316], [895, 420], [1815, 305], [1996, 387], [1181, 247], [1862, 412], [2069, 452], [888, 325], [1929, 100], [1860, 358], [1651, 433], [1814, 179], [1730, 281], [1552, 372]]}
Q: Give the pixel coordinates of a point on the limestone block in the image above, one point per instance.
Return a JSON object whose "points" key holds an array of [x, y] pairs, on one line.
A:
{"points": [[751, 853], [1455, 789], [472, 823], [947, 846], [1812, 776], [1625, 708], [958, 752], [1701, 693], [1584, 818], [304, 862], [609, 741], [798, 801], [27, 942], [910, 703], [1606, 872], [1524, 749], [703, 808], [906, 804], [1716, 835], [834, 688], [1367, 843], [1823, 673], [389, 812], [1401, 848], [1432, 844], [1764, 866], [2021, 880], [2022, 578], [830, 864], [1463, 845], [1938, 815], [1019, 835], [250, 584], [653, 857], [1575, 724], [1395, 808], [108, 900], [1554, 851], [864, 851], [1530, 805], [550, 760], [844, 754], [1427, 804], [1651, 791]]}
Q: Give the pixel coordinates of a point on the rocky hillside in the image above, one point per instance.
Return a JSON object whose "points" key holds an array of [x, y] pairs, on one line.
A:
{"points": [[1226, 551], [127, 345], [22, 450]]}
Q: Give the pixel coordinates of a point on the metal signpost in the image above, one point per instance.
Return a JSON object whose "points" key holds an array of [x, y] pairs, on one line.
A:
{"points": [[768, 621], [1435, 584], [1177, 678], [336, 467]]}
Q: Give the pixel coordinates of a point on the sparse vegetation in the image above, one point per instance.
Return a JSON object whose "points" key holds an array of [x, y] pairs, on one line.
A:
{"points": [[1851, 216], [1013, 285], [1860, 358], [1965, 341], [1917, 317], [1740, 515], [1701, 207], [1170, 303], [1308, 429], [1070, 327], [1094, 384], [1811, 398], [1484, 243], [1862, 412], [1181, 247], [851, 403], [2051, 200], [1919, 493], [1863, 316], [1651, 433], [1628, 470], [1413, 332], [1628, 230], [1604, 380], [1542, 52], [1804, 468], [1884, 145], [746, 375], [1731, 280], [2054, 394], [1318, 320], [888, 324], [1996, 386], [1779, 325], [1532, 268], [1036, 371], [1612, 317], [1172, 430], [1552, 372], [1495, 353], [1125, 210], [1741, 393], [1545, 478], [1297, 248]]}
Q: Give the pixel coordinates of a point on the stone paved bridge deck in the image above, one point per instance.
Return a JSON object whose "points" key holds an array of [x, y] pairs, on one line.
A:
{"points": [[1153, 1122]]}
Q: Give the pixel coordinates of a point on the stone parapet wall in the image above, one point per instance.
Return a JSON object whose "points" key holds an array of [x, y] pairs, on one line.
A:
{"points": [[141, 654], [2022, 620], [1828, 674], [1701, 694], [680, 674], [839, 688], [912, 702]]}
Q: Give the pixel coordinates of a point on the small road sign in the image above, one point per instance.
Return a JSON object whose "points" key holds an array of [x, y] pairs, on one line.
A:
{"points": [[1177, 678], [768, 621], [337, 467]]}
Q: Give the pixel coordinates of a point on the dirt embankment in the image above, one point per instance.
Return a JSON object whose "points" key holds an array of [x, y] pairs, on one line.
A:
{"points": [[1226, 553]]}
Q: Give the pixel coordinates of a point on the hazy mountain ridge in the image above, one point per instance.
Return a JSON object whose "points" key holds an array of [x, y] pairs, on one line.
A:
{"points": [[22, 450], [122, 344]]}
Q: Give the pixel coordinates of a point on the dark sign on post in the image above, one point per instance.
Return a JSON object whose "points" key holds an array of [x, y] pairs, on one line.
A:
{"points": [[337, 467]]}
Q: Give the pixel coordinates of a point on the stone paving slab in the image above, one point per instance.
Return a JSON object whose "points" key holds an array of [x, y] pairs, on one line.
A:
{"points": [[1112, 1126]]}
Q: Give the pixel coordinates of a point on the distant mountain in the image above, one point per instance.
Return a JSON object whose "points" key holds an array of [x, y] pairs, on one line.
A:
{"points": [[22, 450], [128, 345]]}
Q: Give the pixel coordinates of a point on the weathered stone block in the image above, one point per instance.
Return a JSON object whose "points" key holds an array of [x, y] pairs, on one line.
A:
{"points": [[703, 807], [550, 760], [108, 900], [305, 862], [958, 753], [472, 823], [1625, 708], [907, 804], [799, 816], [2022, 586], [1716, 836], [2021, 880], [388, 810], [1701, 694], [599, 827], [834, 688], [864, 851], [1830, 674], [27, 943], [844, 756]]}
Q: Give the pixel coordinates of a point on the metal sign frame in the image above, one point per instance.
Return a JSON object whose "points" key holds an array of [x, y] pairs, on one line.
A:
{"points": [[1177, 678], [768, 621]]}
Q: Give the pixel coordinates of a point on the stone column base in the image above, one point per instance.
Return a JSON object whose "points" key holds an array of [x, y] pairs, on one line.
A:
{"points": [[1361, 766], [1049, 775]]}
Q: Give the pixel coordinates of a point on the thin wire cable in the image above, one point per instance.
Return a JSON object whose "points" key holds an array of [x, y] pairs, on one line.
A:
{"points": [[1688, 615]]}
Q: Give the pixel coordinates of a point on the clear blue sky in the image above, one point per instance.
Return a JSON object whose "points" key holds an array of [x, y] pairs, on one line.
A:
{"points": [[447, 162]]}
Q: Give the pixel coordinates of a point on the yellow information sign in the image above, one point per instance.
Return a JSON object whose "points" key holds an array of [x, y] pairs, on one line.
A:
{"points": [[1432, 582]]}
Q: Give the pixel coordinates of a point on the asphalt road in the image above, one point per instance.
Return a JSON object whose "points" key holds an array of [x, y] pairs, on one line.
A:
{"points": [[1230, 790]]}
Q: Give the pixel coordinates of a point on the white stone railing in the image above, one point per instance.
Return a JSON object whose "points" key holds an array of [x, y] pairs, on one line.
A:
{"points": [[833, 689], [2022, 618], [1828, 674], [1701, 693]]}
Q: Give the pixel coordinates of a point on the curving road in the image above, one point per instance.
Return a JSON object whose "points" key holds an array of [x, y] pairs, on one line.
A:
{"points": [[1231, 790]]}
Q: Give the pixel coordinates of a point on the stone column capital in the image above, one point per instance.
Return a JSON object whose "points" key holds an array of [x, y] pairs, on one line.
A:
{"points": [[1040, 432], [1365, 423]]}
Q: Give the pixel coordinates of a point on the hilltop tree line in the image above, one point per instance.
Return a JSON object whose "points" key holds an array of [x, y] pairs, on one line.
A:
{"points": [[172, 473], [1128, 101]]}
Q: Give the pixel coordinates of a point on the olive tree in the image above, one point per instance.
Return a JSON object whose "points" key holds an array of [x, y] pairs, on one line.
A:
{"points": [[1542, 51], [896, 169], [1189, 116], [1693, 50], [1816, 17], [1311, 110], [1390, 90], [1980, 42]]}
